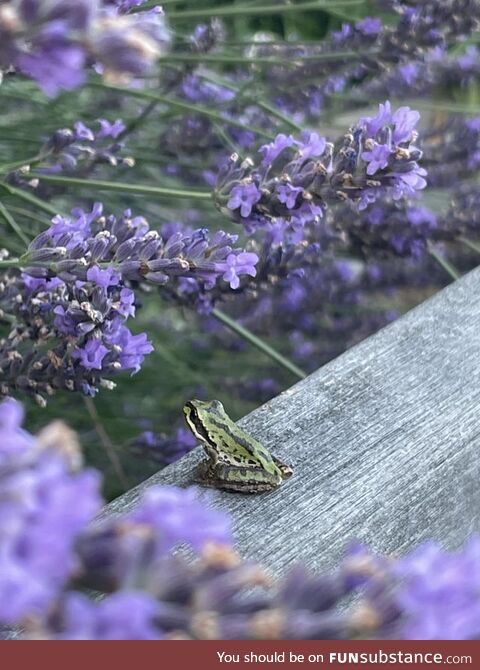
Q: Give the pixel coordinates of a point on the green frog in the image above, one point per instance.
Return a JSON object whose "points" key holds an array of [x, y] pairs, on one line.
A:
{"points": [[236, 461]]}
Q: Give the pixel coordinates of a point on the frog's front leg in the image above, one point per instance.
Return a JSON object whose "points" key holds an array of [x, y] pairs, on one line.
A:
{"points": [[285, 469]]}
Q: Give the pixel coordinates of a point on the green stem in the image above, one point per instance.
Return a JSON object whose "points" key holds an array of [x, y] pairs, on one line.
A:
{"points": [[184, 106], [28, 197], [33, 160], [262, 10], [446, 265], [125, 187], [28, 214], [106, 442], [440, 106], [433, 106], [228, 140], [11, 263], [258, 343], [471, 245], [13, 224], [247, 60], [133, 125]]}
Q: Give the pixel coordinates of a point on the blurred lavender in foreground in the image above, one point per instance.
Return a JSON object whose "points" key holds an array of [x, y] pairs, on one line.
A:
{"points": [[49, 552], [55, 42]]}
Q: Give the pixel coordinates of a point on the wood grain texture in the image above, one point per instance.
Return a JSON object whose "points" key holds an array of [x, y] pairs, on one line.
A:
{"points": [[384, 441]]}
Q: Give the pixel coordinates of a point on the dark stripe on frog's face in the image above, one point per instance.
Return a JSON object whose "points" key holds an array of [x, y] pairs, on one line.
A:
{"points": [[194, 422]]}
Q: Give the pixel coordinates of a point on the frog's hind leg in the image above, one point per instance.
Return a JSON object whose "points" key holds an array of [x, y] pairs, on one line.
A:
{"points": [[234, 478]]}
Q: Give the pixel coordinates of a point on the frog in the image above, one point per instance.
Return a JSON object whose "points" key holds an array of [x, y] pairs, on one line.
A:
{"points": [[235, 461]]}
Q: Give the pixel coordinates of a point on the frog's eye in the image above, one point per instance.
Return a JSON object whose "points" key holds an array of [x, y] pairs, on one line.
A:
{"points": [[217, 406]]}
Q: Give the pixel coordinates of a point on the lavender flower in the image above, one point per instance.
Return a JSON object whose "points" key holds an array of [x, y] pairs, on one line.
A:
{"points": [[77, 296], [54, 42], [429, 594], [244, 197], [127, 45], [179, 517], [125, 552], [406, 56], [76, 328], [87, 322], [298, 178], [439, 592], [128, 246], [127, 615], [403, 228], [81, 148], [44, 505], [49, 549]]}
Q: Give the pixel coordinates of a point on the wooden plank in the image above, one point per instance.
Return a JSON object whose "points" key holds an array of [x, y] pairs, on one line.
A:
{"points": [[384, 440]]}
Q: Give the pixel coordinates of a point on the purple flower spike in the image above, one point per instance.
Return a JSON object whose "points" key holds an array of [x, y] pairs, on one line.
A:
{"points": [[69, 150], [298, 179], [78, 282], [44, 505], [438, 595]]}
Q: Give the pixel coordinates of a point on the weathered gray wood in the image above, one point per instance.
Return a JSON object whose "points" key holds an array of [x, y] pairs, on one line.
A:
{"points": [[385, 442]]}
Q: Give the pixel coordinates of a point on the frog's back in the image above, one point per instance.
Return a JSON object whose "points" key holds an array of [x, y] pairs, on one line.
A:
{"points": [[244, 449]]}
